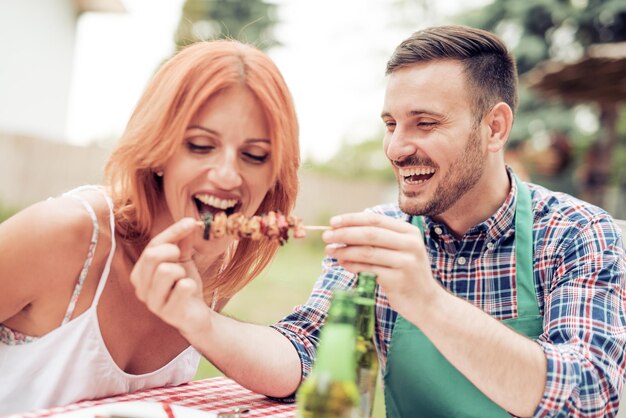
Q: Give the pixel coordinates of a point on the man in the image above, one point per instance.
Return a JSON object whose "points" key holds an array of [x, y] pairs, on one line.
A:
{"points": [[511, 300]]}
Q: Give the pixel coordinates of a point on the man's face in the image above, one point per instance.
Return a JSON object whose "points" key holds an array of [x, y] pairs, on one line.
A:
{"points": [[432, 140]]}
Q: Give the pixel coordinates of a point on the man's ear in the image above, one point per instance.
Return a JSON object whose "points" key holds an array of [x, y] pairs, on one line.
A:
{"points": [[499, 121]]}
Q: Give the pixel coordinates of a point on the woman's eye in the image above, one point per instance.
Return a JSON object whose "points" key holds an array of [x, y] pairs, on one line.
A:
{"points": [[199, 148], [255, 158]]}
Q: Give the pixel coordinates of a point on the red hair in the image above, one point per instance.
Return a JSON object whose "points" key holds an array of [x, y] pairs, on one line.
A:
{"points": [[156, 128]]}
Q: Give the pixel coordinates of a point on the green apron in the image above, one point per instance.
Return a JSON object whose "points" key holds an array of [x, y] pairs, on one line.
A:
{"points": [[420, 382]]}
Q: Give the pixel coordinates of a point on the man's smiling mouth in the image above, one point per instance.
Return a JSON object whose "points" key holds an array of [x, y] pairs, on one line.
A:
{"points": [[416, 175]]}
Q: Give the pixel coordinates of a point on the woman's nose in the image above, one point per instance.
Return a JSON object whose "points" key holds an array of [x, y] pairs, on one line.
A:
{"points": [[225, 173]]}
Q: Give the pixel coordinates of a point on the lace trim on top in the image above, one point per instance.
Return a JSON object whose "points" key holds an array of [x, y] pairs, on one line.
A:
{"points": [[12, 337]]}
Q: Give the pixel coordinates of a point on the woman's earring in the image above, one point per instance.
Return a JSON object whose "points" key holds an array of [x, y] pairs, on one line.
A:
{"points": [[159, 174]]}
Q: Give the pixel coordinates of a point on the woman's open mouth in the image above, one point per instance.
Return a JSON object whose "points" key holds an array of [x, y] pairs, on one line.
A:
{"points": [[208, 203]]}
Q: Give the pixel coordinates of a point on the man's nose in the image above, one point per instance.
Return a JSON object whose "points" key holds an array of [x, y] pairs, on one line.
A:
{"points": [[399, 145]]}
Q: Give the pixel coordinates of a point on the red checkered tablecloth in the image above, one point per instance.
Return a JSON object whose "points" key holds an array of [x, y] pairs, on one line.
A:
{"points": [[218, 394]]}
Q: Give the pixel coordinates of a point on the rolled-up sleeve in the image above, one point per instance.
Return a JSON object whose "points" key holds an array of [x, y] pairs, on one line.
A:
{"points": [[584, 336], [302, 326]]}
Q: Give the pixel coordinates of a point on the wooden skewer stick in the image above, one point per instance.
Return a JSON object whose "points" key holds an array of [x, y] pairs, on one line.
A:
{"points": [[309, 227], [317, 227]]}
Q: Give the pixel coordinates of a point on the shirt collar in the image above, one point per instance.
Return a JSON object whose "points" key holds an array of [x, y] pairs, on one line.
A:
{"points": [[496, 226]]}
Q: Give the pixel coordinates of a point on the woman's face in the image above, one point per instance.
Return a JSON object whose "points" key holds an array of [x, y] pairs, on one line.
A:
{"points": [[224, 162]]}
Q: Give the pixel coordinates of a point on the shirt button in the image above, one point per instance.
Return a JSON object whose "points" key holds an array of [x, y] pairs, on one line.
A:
{"points": [[438, 230], [461, 260], [491, 245]]}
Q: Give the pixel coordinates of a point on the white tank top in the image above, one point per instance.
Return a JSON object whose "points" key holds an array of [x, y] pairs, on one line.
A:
{"points": [[71, 362]]}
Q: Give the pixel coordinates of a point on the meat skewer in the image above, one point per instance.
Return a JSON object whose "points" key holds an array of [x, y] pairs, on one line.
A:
{"points": [[272, 225]]}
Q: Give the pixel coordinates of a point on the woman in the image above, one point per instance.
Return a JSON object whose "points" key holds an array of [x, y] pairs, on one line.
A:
{"points": [[215, 131]]}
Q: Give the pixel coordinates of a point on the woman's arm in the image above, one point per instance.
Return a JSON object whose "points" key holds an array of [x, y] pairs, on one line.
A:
{"points": [[256, 356]]}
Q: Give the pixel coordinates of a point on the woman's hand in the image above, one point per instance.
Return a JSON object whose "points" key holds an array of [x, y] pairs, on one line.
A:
{"points": [[391, 248], [166, 278]]}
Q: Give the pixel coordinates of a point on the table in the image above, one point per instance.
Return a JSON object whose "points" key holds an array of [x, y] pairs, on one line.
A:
{"points": [[218, 394]]}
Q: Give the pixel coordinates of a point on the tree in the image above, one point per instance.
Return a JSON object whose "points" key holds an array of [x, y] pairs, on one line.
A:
{"points": [[559, 30], [538, 30], [544, 29], [249, 21]]}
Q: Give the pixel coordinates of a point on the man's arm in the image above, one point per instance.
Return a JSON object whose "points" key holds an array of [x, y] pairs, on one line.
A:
{"points": [[507, 367], [517, 373], [585, 322]]}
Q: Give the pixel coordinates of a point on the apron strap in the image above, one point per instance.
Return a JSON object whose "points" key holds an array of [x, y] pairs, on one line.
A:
{"points": [[524, 279], [525, 282]]}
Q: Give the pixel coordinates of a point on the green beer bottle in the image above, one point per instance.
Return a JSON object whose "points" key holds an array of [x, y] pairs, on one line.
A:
{"points": [[330, 390], [366, 357]]}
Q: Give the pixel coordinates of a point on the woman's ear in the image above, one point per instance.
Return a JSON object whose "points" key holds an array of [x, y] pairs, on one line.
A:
{"points": [[499, 120]]}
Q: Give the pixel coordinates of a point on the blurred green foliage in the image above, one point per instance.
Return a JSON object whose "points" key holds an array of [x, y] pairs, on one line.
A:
{"points": [[618, 171], [546, 29], [362, 160], [6, 212], [539, 30], [249, 21], [558, 30]]}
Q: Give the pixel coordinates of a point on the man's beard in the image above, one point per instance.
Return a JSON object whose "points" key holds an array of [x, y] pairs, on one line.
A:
{"points": [[462, 175]]}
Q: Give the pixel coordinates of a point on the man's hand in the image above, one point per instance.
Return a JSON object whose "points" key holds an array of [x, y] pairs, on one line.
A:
{"points": [[391, 248]]}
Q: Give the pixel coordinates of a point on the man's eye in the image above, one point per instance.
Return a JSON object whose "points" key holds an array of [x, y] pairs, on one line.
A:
{"points": [[390, 125], [200, 148], [255, 158], [426, 124]]}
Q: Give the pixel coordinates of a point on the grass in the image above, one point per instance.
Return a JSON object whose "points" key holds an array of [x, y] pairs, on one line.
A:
{"points": [[286, 283], [6, 212]]}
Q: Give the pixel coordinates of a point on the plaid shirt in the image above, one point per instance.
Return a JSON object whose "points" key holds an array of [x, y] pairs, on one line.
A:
{"points": [[579, 271]]}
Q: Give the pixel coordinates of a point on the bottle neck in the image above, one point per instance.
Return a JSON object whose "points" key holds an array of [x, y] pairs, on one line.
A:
{"points": [[335, 353], [365, 317], [366, 285]]}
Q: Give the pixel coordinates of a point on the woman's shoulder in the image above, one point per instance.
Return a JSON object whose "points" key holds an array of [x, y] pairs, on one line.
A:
{"points": [[63, 220], [42, 248], [54, 233]]}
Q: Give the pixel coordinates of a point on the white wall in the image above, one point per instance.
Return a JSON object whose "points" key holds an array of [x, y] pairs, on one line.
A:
{"points": [[32, 169], [37, 40]]}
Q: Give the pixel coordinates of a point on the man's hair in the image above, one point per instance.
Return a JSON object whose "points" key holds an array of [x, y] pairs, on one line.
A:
{"points": [[489, 66]]}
